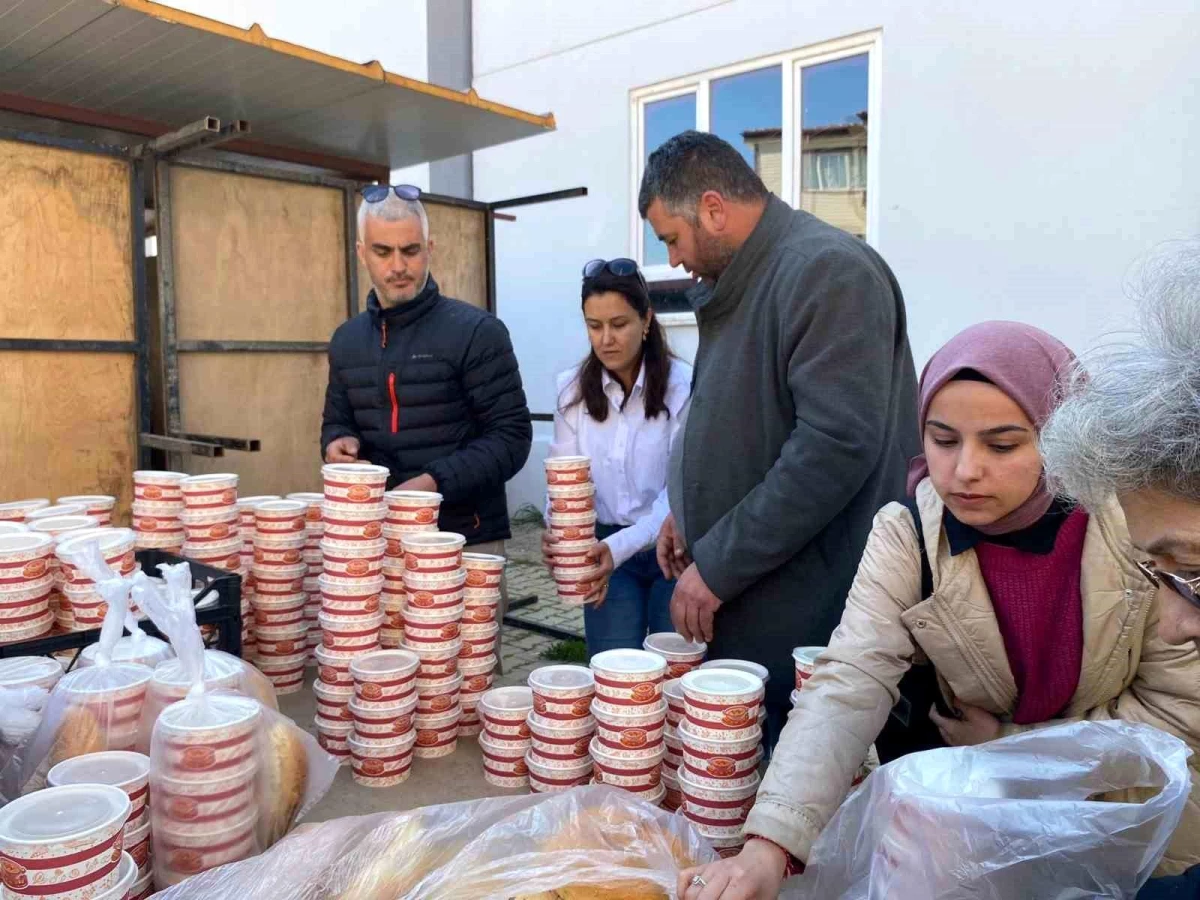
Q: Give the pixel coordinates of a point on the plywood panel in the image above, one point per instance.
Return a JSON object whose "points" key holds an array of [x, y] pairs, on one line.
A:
{"points": [[256, 259], [276, 397], [459, 255], [69, 425], [65, 266]]}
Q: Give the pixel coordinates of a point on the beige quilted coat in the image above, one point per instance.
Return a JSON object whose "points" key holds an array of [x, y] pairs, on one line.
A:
{"points": [[1128, 673]]}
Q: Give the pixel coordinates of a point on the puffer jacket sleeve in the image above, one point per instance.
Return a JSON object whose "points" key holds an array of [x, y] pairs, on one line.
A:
{"points": [[492, 384], [337, 420], [845, 704]]}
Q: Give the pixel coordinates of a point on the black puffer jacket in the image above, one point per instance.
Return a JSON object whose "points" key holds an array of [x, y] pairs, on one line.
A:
{"points": [[432, 386]]}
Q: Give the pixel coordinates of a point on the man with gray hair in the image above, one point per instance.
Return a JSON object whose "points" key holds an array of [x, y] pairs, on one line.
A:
{"points": [[803, 413], [422, 384]]}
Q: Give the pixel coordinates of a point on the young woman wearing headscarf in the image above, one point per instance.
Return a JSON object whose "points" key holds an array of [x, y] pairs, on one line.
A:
{"points": [[1038, 612]]}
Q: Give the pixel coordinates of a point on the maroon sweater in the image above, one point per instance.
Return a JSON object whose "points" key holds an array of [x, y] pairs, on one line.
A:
{"points": [[1037, 601]]}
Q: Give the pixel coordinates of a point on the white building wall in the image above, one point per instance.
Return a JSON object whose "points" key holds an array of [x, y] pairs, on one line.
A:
{"points": [[1029, 152], [390, 31]]}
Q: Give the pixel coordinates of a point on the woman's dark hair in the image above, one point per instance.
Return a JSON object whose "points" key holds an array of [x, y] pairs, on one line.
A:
{"points": [[656, 355]]}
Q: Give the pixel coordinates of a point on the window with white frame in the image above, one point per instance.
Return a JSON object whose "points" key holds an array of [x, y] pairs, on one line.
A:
{"points": [[801, 119]]}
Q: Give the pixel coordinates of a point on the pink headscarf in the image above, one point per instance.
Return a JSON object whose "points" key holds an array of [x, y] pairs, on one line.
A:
{"points": [[1028, 365]]}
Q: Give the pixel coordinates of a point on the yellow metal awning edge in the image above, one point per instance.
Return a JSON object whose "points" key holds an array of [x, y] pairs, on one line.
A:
{"points": [[373, 70]]}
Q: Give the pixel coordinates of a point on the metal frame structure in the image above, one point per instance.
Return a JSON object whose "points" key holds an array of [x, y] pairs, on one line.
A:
{"points": [[139, 347]]}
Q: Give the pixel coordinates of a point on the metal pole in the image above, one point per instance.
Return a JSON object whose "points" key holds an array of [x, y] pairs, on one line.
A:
{"points": [[190, 135], [141, 303], [166, 305], [489, 243], [350, 216]]}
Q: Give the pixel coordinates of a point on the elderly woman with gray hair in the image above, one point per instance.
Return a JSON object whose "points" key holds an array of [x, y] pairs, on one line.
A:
{"points": [[1130, 427]]}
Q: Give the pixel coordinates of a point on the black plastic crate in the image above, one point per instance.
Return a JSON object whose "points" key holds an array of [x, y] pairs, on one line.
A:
{"points": [[225, 614]]}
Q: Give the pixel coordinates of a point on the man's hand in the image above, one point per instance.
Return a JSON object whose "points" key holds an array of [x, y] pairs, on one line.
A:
{"points": [[672, 555], [977, 726], [693, 606], [754, 874], [343, 450], [602, 557], [420, 483]]}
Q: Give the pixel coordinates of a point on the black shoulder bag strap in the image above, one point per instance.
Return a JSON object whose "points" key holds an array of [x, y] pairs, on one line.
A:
{"points": [[909, 728]]}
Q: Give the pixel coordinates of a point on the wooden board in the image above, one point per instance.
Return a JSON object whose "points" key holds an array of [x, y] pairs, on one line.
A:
{"points": [[459, 254], [256, 259], [69, 425], [276, 397], [65, 262]]}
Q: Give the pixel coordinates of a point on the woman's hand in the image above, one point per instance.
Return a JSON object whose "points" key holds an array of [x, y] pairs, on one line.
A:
{"points": [[977, 726], [754, 874], [548, 542], [601, 556]]}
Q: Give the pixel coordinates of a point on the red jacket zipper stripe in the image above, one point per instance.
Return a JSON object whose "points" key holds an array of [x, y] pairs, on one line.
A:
{"points": [[395, 402]]}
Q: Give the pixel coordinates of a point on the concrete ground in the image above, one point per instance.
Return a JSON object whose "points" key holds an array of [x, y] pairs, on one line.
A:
{"points": [[460, 775]]}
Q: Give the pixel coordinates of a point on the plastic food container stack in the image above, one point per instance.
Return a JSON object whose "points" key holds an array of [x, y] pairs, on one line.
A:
{"points": [[631, 718], [157, 508], [721, 739], [314, 531], [572, 520], [26, 586], [131, 773], [561, 727], [506, 739]]}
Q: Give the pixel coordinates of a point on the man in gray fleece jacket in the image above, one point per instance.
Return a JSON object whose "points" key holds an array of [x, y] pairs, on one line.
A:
{"points": [[803, 411]]}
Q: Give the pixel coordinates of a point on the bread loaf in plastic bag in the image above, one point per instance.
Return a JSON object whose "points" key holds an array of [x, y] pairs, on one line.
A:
{"points": [[590, 843], [1079, 810]]}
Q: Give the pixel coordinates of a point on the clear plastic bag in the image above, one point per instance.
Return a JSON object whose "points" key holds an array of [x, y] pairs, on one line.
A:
{"points": [[1071, 811], [230, 775], [585, 844], [171, 609], [90, 709]]}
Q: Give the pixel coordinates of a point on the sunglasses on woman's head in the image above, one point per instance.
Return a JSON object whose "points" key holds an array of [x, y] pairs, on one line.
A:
{"points": [[375, 193], [622, 267], [1184, 587]]}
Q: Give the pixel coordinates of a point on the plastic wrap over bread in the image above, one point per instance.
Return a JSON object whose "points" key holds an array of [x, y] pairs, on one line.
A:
{"points": [[1071, 811], [591, 843], [90, 709]]}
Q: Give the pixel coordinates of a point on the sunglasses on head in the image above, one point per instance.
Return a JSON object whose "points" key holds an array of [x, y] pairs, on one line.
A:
{"points": [[375, 193], [1184, 587], [622, 267]]}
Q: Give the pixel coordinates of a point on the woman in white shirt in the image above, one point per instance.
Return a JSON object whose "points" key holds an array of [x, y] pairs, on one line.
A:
{"points": [[623, 406]]}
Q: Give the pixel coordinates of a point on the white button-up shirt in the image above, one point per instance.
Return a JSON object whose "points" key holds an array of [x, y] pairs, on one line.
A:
{"points": [[629, 453]]}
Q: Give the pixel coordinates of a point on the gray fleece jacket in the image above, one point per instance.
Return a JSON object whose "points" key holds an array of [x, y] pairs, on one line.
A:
{"points": [[802, 422]]}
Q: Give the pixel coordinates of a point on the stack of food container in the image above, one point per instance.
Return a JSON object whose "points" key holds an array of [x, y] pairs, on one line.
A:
{"points": [[480, 629], [130, 772], [58, 521], [65, 843], [434, 580], [99, 506], [26, 583], [210, 520], [116, 545], [314, 530], [157, 506], [631, 717], [408, 512], [25, 672], [350, 582], [505, 739], [805, 661], [382, 711], [279, 597], [721, 738], [673, 757], [170, 683], [204, 809], [572, 521], [246, 532], [561, 727], [16, 511], [117, 707]]}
